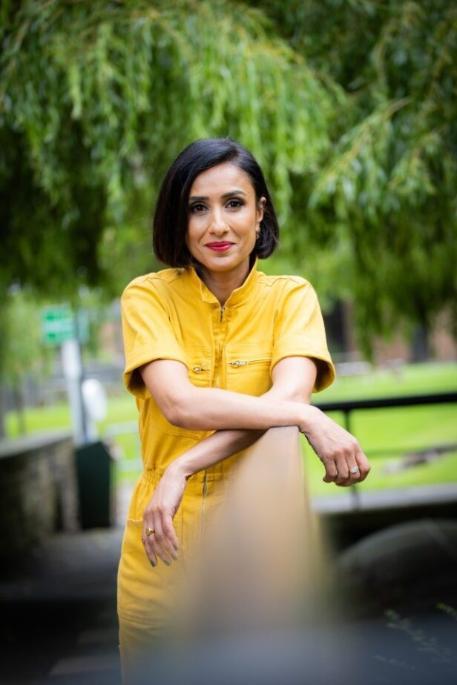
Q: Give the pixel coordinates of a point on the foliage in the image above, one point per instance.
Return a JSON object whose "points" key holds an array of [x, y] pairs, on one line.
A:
{"points": [[23, 351], [98, 97], [387, 185], [349, 106]]}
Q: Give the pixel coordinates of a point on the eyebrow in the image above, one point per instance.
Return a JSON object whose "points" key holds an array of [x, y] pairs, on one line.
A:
{"points": [[200, 198]]}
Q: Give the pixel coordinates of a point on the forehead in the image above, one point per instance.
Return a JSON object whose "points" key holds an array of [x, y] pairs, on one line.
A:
{"points": [[220, 179]]}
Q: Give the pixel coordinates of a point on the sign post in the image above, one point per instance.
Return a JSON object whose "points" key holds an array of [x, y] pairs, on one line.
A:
{"points": [[60, 328]]}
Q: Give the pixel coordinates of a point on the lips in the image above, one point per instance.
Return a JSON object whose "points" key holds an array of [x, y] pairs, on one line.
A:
{"points": [[219, 247]]}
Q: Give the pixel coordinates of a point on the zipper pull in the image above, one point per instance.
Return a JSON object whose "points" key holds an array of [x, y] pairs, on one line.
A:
{"points": [[238, 362], [222, 312]]}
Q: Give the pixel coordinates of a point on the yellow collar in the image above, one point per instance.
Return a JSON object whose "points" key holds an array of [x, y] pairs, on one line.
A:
{"points": [[237, 296]]}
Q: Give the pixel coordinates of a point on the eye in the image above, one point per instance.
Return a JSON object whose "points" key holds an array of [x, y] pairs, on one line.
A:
{"points": [[197, 208], [234, 203]]}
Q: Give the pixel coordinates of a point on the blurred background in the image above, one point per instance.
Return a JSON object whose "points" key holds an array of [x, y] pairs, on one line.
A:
{"points": [[351, 109]]}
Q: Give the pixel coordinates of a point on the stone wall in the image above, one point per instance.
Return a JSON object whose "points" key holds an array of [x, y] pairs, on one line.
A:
{"points": [[38, 490]]}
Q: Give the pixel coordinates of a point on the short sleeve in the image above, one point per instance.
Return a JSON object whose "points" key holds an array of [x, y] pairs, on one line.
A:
{"points": [[300, 331], [147, 333]]}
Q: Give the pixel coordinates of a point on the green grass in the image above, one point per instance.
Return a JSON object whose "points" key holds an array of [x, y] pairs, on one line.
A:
{"points": [[396, 430], [377, 430], [411, 379]]}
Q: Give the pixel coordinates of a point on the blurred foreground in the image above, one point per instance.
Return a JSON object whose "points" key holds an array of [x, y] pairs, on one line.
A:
{"points": [[59, 628], [264, 599]]}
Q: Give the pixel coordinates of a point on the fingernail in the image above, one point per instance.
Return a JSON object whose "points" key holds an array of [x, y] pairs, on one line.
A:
{"points": [[152, 563]]}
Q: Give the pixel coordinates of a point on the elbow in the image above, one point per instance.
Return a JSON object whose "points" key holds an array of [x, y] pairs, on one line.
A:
{"points": [[178, 412], [296, 396]]}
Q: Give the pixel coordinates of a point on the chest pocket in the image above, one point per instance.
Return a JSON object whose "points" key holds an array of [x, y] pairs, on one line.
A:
{"points": [[248, 369], [200, 369]]}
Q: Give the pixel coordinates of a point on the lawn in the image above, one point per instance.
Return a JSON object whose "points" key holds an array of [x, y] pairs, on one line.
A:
{"points": [[384, 434], [388, 434]]}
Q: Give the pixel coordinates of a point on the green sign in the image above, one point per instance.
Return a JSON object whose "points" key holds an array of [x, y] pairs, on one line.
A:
{"points": [[57, 324]]}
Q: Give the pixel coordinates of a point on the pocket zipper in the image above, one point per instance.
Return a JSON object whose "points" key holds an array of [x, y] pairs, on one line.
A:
{"points": [[241, 362], [199, 369]]}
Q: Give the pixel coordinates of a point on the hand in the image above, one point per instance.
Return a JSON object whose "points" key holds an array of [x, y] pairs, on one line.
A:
{"points": [[158, 516], [336, 448]]}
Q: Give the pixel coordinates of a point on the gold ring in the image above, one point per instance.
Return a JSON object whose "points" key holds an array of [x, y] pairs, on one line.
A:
{"points": [[150, 531]]}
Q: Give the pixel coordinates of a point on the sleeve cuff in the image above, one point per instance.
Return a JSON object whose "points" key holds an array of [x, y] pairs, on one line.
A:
{"points": [[132, 378], [326, 373]]}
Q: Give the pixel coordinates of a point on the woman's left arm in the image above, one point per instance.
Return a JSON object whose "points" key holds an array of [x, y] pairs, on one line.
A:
{"points": [[293, 379]]}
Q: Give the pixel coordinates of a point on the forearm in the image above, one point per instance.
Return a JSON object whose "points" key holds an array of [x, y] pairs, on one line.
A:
{"points": [[216, 409], [224, 443], [214, 449]]}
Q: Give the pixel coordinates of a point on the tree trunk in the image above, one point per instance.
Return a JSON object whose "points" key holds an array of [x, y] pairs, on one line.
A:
{"points": [[420, 346]]}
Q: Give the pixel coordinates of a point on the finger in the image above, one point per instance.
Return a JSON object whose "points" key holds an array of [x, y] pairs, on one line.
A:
{"points": [[354, 470], [148, 542], [331, 472], [151, 542], [160, 541], [362, 463], [343, 471], [169, 537], [170, 533]]}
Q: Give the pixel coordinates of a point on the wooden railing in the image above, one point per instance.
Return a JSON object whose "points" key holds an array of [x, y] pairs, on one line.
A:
{"points": [[262, 553]]}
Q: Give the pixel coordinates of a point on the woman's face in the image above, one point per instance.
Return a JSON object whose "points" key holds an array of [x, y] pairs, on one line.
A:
{"points": [[224, 217]]}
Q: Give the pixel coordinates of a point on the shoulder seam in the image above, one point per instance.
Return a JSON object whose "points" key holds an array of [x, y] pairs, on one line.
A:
{"points": [[299, 280], [151, 277]]}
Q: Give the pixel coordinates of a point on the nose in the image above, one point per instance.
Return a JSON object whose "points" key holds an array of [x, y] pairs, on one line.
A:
{"points": [[218, 225]]}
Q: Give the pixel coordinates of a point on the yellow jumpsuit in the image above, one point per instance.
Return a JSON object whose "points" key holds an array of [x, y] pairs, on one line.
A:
{"points": [[171, 314]]}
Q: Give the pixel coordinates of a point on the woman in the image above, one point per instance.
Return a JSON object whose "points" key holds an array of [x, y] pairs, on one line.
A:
{"points": [[216, 354]]}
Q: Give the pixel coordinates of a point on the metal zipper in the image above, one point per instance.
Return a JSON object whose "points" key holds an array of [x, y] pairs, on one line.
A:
{"points": [[222, 313], [245, 362], [198, 369]]}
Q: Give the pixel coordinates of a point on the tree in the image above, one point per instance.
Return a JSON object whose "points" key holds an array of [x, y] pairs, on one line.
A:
{"points": [[24, 354], [96, 100], [349, 106], [386, 187]]}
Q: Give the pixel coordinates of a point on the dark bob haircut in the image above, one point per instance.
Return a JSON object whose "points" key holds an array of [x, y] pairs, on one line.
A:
{"points": [[171, 214]]}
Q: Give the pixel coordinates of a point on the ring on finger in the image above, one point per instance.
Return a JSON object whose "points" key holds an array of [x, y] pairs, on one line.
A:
{"points": [[354, 469], [149, 531]]}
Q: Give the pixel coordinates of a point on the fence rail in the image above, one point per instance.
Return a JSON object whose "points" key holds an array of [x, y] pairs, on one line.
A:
{"points": [[347, 407]]}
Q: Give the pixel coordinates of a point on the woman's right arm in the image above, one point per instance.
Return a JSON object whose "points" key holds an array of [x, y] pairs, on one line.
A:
{"points": [[188, 406]]}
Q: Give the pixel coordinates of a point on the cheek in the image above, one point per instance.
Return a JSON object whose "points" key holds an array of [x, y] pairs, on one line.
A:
{"points": [[245, 221], [247, 227], [193, 232]]}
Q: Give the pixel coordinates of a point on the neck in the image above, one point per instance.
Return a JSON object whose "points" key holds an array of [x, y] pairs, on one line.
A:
{"points": [[223, 283]]}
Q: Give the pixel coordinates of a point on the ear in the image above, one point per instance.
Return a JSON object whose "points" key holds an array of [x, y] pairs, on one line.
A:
{"points": [[261, 208]]}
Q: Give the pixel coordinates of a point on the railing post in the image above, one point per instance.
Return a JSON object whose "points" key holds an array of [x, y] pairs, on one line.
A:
{"points": [[261, 557]]}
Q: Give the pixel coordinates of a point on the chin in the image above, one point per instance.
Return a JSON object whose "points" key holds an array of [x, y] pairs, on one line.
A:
{"points": [[224, 263]]}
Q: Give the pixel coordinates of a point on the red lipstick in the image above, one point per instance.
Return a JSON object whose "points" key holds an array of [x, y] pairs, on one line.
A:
{"points": [[219, 246]]}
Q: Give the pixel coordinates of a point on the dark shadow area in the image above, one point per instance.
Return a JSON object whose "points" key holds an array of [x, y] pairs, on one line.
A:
{"points": [[58, 609]]}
